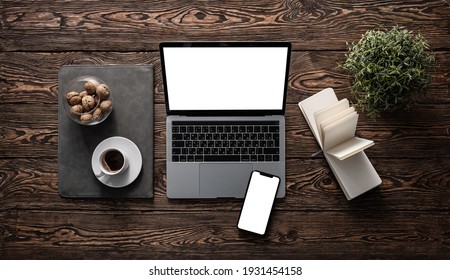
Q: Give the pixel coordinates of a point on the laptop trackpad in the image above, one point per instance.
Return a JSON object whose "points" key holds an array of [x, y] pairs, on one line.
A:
{"points": [[224, 179]]}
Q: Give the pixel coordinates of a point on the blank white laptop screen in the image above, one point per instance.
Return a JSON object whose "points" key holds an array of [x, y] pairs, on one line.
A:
{"points": [[225, 78]]}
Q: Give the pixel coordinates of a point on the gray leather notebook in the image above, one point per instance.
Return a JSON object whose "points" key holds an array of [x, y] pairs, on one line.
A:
{"points": [[132, 117]]}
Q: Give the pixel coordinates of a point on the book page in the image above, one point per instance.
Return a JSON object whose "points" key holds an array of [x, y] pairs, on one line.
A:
{"points": [[339, 131], [338, 116], [335, 118], [350, 147], [314, 103], [328, 112]]}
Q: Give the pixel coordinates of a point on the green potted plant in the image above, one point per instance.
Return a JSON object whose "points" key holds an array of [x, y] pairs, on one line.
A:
{"points": [[388, 68]]}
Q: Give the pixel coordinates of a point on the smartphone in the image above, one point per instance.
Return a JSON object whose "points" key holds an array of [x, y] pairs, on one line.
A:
{"points": [[261, 191]]}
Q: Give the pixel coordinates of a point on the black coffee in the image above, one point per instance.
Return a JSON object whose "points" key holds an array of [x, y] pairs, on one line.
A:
{"points": [[113, 161]]}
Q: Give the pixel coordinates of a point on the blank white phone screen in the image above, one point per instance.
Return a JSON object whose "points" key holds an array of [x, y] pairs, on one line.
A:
{"points": [[258, 203], [225, 78]]}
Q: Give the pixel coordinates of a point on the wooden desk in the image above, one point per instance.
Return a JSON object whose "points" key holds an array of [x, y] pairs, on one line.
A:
{"points": [[406, 217]]}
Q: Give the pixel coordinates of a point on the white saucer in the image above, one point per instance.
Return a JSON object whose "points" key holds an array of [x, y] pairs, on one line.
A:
{"points": [[134, 155]]}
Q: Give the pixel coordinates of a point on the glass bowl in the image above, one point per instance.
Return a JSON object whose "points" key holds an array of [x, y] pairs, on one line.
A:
{"points": [[87, 100]]}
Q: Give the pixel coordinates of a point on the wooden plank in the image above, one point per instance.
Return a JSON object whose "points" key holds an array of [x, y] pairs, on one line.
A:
{"points": [[310, 72], [31, 131], [32, 78], [29, 114], [408, 184], [309, 25], [167, 235], [8, 220]]}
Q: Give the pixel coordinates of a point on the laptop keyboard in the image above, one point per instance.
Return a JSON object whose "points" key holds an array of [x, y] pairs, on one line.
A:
{"points": [[210, 141]]}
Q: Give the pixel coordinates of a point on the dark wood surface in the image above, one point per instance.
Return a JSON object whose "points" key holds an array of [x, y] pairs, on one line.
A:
{"points": [[407, 217]]}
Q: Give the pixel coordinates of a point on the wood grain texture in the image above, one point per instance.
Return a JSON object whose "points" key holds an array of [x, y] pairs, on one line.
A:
{"points": [[407, 217], [321, 24], [310, 185], [29, 99], [32, 132], [193, 235], [25, 73]]}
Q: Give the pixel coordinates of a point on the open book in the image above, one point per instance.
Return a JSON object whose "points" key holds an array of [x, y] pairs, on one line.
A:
{"points": [[336, 125], [333, 124]]}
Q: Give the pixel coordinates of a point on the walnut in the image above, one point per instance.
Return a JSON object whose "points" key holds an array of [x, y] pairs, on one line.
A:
{"points": [[96, 98], [106, 105], [76, 109], [74, 100], [103, 91], [90, 87], [88, 103], [97, 115], [71, 94], [86, 118], [83, 94]]}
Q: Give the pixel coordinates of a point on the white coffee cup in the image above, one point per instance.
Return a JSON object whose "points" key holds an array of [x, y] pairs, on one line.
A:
{"points": [[112, 162]]}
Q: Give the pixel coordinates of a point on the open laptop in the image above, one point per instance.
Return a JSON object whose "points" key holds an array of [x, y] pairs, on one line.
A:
{"points": [[225, 103]]}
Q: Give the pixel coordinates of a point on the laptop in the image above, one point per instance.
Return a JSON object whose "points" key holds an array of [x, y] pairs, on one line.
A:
{"points": [[225, 103]]}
